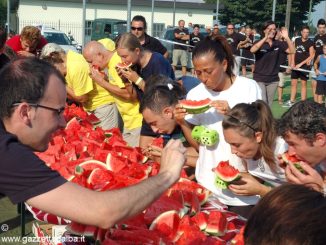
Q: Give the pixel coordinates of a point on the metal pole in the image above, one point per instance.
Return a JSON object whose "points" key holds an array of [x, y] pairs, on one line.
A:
{"points": [[325, 11], [8, 17], [173, 21], [129, 16], [152, 20], [274, 6], [217, 4], [288, 14], [83, 23]]}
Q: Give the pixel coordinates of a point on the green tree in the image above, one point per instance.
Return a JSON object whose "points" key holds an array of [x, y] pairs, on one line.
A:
{"points": [[3, 12], [256, 12]]}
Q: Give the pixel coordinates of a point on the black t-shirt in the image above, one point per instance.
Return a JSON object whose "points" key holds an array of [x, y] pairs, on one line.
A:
{"points": [[193, 40], [184, 31], [22, 174], [3, 60], [283, 60], [319, 41], [234, 40], [246, 49], [302, 51], [268, 61], [153, 45]]}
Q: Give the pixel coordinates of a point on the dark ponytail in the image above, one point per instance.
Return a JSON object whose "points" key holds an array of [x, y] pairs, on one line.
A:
{"points": [[219, 47], [252, 118]]}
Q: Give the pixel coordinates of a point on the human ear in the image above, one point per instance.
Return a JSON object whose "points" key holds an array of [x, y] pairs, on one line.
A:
{"points": [[320, 139], [24, 113], [168, 112], [224, 65], [259, 137]]}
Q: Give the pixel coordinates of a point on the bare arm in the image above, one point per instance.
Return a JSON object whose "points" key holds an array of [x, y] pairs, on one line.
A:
{"points": [[104, 209], [71, 95], [166, 55], [258, 45]]}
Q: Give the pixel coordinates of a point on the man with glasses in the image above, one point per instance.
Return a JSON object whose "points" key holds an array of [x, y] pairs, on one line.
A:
{"points": [[235, 39], [138, 28], [32, 102]]}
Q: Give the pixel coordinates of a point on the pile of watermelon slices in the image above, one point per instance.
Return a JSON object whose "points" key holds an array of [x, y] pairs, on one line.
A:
{"points": [[101, 160]]}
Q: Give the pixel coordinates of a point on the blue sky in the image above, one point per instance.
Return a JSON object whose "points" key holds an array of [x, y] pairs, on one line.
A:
{"points": [[319, 13]]}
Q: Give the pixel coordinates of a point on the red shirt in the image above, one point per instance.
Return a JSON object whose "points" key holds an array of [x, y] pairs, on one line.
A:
{"points": [[15, 44]]}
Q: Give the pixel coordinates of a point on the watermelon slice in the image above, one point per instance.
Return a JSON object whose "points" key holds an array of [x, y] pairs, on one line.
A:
{"points": [[167, 224], [216, 224], [159, 142], [96, 67], [124, 65], [225, 174], [293, 159], [196, 106], [92, 164]]}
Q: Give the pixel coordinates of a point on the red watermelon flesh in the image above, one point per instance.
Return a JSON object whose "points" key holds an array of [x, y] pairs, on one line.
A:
{"points": [[196, 106], [124, 65], [99, 178], [116, 163], [92, 164], [216, 224], [226, 172], [167, 224], [159, 142], [200, 219], [293, 159]]}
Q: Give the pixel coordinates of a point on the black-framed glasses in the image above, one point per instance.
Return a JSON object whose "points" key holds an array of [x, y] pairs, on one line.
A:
{"points": [[137, 28], [242, 122], [59, 111]]}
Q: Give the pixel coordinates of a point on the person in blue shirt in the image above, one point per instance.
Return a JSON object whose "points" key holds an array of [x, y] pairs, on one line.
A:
{"points": [[320, 69]]}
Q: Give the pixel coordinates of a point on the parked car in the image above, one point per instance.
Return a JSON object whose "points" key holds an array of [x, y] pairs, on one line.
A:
{"points": [[56, 36], [107, 28]]}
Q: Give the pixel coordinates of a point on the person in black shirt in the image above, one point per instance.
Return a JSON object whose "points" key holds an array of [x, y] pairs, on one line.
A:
{"points": [[195, 37], [138, 28], [32, 105], [246, 54], [4, 59], [267, 52], [235, 39], [304, 53], [319, 41], [181, 35]]}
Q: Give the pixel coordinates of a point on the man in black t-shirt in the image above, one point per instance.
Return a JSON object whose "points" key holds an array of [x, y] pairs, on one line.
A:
{"points": [[235, 39], [181, 35], [304, 53], [138, 28], [194, 38], [32, 104], [319, 41]]}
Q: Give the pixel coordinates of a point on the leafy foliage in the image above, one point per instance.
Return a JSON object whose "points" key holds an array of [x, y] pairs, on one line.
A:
{"points": [[256, 12]]}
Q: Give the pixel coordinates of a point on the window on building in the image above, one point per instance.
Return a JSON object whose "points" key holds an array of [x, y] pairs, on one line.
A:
{"points": [[88, 27], [158, 29]]}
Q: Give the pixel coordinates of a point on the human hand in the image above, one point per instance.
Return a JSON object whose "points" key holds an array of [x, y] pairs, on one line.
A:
{"points": [[179, 114], [153, 152], [248, 186], [128, 74], [173, 158], [222, 106], [317, 72], [25, 53], [97, 75], [284, 33], [310, 177]]}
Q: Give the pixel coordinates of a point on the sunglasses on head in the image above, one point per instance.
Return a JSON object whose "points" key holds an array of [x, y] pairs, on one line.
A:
{"points": [[137, 28]]}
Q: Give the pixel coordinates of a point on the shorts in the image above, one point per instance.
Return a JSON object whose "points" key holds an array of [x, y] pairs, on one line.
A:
{"points": [[321, 88], [299, 74], [179, 55]]}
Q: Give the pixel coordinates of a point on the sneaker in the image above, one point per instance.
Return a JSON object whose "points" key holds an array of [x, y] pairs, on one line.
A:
{"points": [[288, 104]]}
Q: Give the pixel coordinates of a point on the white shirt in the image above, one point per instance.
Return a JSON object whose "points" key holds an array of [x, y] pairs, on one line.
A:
{"points": [[243, 90]]}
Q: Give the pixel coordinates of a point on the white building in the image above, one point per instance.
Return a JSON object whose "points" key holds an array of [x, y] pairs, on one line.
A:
{"points": [[68, 15]]}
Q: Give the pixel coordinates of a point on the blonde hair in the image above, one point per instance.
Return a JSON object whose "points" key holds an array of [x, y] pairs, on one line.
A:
{"points": [[128, 41]]}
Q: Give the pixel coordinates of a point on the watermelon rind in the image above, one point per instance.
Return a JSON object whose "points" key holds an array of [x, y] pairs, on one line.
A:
{"points": [[296, 164], [221, 184], [196, 109]]}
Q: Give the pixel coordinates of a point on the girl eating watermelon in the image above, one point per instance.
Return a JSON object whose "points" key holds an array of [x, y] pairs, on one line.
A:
{"points": [[251, 132]]}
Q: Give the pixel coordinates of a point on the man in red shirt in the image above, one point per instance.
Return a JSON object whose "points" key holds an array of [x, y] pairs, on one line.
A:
{"points": [[29, 43]]}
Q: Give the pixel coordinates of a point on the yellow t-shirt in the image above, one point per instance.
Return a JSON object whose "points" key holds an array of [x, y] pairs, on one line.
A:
{"points": [[79, 81], [107, 43], [129, 110]]}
